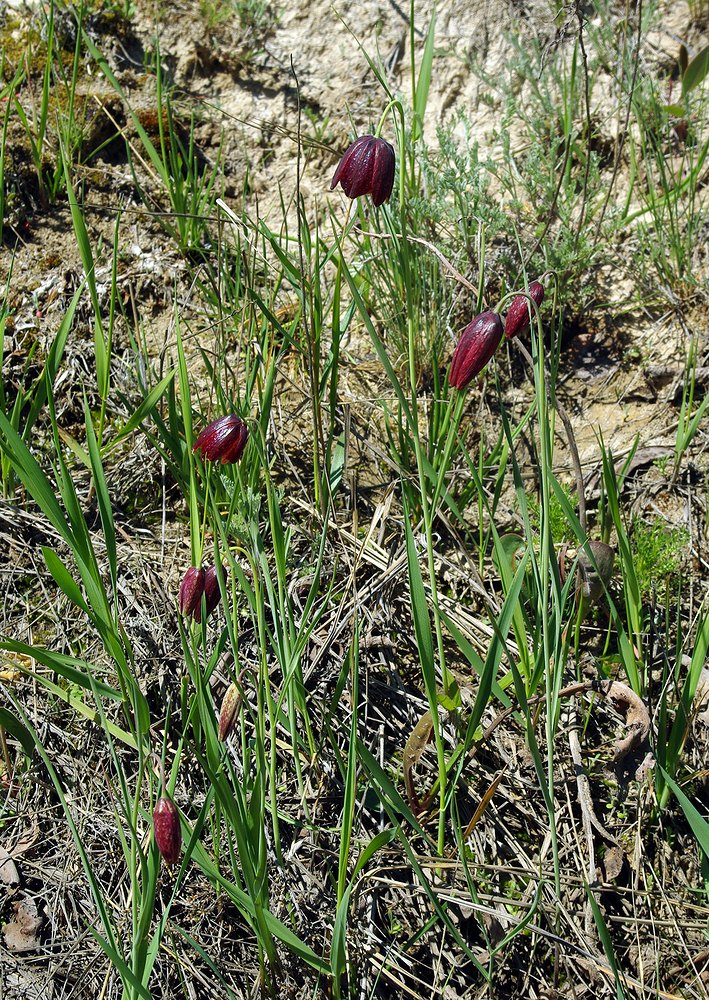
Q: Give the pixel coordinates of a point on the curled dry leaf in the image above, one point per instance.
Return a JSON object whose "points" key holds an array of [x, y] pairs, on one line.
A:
{"points": [[612, 863], [9, 874], [637, 717], [22, 933]]}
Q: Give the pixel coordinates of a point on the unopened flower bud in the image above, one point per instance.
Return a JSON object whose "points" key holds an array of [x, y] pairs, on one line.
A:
{"points": [[229, 712], [166, 828], [593, 580], [476, 346], [520, 308]]}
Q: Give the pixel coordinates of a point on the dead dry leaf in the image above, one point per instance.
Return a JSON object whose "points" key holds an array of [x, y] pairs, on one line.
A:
{"points": [[22, 933], [9, 874], [637, 717]]}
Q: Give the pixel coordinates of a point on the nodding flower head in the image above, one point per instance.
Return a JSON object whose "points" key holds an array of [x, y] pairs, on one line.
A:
{"points": [[191, 590], [211, 594], [476, 346], [367, 168], [517, 319], [195, 584], [223, 440]]}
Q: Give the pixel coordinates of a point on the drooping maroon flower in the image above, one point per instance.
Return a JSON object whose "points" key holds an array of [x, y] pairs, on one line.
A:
{"points": [[517, 319], [476, 346], [223, 440], [211, 594], [191, 590], [367, 168], [166, 828], [198, 582]]}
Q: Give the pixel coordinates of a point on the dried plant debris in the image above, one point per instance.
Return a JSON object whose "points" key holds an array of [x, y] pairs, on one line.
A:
{"points": [[22, 933]]}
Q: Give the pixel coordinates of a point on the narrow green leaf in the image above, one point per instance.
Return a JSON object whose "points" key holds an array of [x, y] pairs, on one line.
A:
{"points": [[32, 477], [419, 608], [473, 658], [387, 791], [150, 149], [143, 411], [14, 727], [378, 343], [51, 366], [109, 943], [338, 948], [64, 580], [699, 825], [245, 904], [102, 496], [606, 941], [87, 260], [696, 71], [424, 81]]}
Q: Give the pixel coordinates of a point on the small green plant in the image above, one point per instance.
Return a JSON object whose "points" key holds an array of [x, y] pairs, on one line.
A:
{"points": [[657, 552], [561, 530]]}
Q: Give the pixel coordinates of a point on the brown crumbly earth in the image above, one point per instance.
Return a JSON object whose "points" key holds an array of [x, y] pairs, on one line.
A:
{"points": [[302, 70]]}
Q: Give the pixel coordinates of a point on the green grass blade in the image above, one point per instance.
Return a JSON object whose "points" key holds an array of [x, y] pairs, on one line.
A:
{"points": [[424, 81], [15, 728], [33, 478], [76, 671], [143, 411], [699, 825], [419, 609], [54, 358], [606, 941], [102, 497], [696, 71], [64, 580]]}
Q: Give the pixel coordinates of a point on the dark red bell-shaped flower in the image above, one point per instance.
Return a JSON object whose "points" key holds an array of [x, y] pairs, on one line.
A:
{"points": [[166, 827], [517, 319], [223, 440], [367, 168], [476, 346], [191, 590], [211, 594], [195, 584]]}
